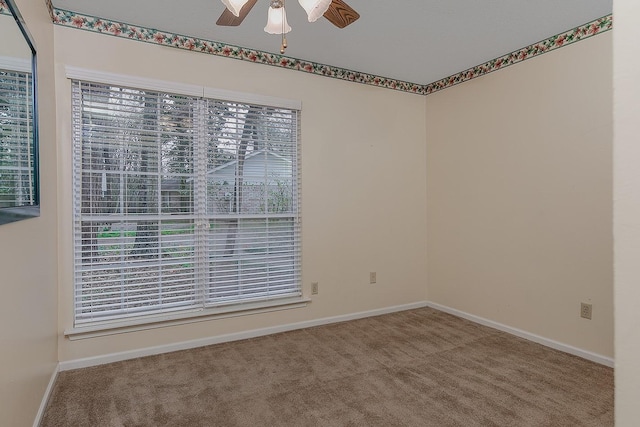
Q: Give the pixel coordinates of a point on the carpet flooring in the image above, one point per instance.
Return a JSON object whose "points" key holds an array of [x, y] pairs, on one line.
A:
{"points": [[413, 368]]}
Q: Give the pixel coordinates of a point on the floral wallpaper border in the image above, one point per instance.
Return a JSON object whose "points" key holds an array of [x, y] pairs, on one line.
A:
{"points": [[105, 26], [582, 32], [148, 35], [50, 8]]}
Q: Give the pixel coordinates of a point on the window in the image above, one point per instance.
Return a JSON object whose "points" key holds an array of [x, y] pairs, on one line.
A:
{"points": [[181, 203], [16, 139]]}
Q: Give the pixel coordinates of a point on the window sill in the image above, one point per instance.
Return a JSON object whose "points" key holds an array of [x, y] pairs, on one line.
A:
{"points": [[174, 319]]}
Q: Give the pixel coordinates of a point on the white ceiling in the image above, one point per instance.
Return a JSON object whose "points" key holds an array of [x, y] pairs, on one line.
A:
{"points": [[419, 41]]}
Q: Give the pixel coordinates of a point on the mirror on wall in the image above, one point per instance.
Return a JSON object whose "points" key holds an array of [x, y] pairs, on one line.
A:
{"points": [[19, 186]]}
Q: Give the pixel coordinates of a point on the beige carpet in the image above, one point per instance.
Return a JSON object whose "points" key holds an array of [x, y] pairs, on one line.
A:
{"points": [[413, 368]]}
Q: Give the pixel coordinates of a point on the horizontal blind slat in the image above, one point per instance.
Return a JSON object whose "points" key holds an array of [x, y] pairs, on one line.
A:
{"points": [[16, 139]]}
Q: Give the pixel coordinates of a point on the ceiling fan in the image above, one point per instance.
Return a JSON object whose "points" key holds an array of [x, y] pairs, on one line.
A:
{"points": [[337, 12]]}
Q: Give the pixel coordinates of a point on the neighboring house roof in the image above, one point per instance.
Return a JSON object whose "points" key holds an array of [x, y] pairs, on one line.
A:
{"points": [[254, 167], [276, 166]]}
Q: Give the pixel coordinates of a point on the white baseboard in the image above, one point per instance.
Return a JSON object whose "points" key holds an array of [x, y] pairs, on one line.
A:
{"points": [[594, 357], [45, 398], [185, 345]]}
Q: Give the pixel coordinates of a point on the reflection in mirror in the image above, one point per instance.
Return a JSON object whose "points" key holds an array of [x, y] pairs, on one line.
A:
{"points": [[19, 198]]}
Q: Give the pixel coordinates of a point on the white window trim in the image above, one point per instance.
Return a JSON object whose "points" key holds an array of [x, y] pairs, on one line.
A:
{"points": [[147, 322], [15, 64], [179, 88], [144, 323]]}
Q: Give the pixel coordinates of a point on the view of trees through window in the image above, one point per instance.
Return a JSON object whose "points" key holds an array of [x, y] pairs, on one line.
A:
{"points": [[181, 202], [16, 157]]}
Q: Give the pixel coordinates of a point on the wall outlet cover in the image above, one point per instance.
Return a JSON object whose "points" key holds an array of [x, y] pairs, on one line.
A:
{"points": [[585, 310]]}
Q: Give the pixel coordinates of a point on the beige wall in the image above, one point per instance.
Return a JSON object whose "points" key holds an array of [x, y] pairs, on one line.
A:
{"points": [[13, 44], [363, 184], [519, 177], [627, 210], [28, 262]]}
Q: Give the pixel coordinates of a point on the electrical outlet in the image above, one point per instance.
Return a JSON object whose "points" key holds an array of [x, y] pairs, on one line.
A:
{"points": [[314, 288], [585, 310], [372, 277]]}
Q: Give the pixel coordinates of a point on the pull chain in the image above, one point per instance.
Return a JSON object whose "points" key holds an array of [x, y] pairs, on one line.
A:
{"points": [[284, 37]]}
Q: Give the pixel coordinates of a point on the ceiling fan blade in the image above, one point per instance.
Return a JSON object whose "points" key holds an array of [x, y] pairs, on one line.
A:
{"points": [[341, 14], [228, 19]]}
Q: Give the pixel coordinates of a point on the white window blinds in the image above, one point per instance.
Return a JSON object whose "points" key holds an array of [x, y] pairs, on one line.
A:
{"points": [[16, 141], [181, 203]]}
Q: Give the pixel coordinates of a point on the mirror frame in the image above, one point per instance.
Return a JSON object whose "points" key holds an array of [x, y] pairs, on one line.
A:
{"points": [[17, 213]]}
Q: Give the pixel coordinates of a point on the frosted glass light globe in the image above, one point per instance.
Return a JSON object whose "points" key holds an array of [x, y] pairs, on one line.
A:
{"points": [[274, 21], [234, 6], [315, 8]]}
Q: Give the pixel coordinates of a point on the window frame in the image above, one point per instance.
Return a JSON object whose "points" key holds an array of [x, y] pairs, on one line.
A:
{"points": [[17, 73], [146, 321]]}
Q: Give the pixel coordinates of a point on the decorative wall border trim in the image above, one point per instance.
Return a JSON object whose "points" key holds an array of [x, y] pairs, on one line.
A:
{"points": [[50, 9], [582, 32], [148, 35]]}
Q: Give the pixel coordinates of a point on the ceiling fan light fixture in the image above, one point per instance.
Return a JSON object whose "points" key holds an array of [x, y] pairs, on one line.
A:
{"points": [[315, 8], [277, 21], [234, 6]]}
